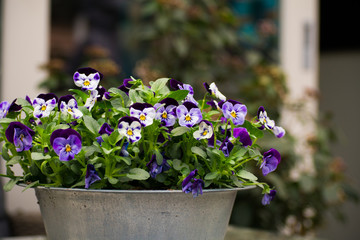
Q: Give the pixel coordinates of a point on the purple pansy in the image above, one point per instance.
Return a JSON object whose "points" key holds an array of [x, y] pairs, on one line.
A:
{"points": [[155, 169], [193, 185], [243, 136], [104, 129], [264, 119], [268, 197], [20, 135], [235, 111], [4, 109], [125, 87], [68, 105], [145, 112], [214, 91], [226, 146], [87, 78], [130, 127], [206, 131], [91, 176], [165, 111], [43, 104], [188, 114], [174, 84], [66, 143], [279, 131], [271, 159]]}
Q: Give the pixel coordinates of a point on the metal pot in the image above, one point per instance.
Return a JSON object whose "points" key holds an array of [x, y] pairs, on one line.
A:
{"points": [[135, 214]]}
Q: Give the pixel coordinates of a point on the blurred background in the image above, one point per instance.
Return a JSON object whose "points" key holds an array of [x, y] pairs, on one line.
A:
{"points": [[299, 58]]}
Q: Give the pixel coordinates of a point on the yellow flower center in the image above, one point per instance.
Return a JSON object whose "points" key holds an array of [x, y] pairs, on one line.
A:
{"points": [[142, 117], [70, 110], [86, 83], [43, 108], [130, 132], [233, 114], [164, 115], [205, 133], [67, 148], [188, 118], [22, 137]]}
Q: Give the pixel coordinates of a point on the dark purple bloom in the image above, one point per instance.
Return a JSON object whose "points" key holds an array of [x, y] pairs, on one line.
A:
{"points": [[87, 78], [235, 111], [243, 136], [14, 107], [226, 147], [271, 159], [20, 135], [66, 143], [91, 176], [4, 109], [27, 98], [165, 111], [155, 169], [125, 87], [268, 197], [105, 129], [193, 185], [188, 114]]}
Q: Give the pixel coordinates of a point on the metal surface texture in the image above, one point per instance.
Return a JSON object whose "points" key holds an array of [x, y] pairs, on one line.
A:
{"points": [[135, 214]]}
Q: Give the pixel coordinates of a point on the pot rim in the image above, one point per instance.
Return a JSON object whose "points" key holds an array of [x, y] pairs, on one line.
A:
{"points": [[137, 191]]}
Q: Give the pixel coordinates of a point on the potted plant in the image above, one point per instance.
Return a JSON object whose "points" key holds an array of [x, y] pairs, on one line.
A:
{"points": [[132, 160]]}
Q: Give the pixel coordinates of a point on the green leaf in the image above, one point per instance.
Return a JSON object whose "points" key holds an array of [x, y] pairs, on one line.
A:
{"points": [[23, 102], [178, 95], [114, 137], [247, 175], [159, 157], [39, 156], [13, 161], [6, 120], [91, 124], [134, 96], [127, 160], [80, 93], [199, 151], [253, 131], [178, 165], [211, 175], [90, 150], [33, 184], [113, 180], [179, 131], [159, 84], [138, 174], [10, 184]]}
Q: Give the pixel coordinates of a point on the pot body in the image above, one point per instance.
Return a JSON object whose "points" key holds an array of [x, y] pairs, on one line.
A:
{"points": [[144, 214]]}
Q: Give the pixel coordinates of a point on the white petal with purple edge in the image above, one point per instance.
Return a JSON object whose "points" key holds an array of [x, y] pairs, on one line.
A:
{"points": [[279, 131]]}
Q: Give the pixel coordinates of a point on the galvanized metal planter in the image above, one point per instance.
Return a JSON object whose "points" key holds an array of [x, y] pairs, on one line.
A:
{"points": [[144, 214]]}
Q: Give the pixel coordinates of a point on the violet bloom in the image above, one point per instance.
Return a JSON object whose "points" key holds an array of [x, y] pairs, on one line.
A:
{"points": [[235, 111], [226, 147], [4, 109], [14, 107], [66, 143], [91, 176], [206, 131], [87, 78], [155, 169], [243, 136], [145, 112], [165, 111], [43, 105], [214, 91], [176, 85], [193, 185], [130, 127], [268, 197], [271, 159], [125, 87], [104, 129], [68, 105], [264, 119], [188, 114], [279, 131], [20, 135]]}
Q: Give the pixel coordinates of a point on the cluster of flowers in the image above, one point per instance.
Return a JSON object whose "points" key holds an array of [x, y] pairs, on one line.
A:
{"points": [[215, 131]]}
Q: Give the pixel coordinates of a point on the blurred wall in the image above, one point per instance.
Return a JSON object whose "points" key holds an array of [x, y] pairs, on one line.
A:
{"points": [[24, 47]]}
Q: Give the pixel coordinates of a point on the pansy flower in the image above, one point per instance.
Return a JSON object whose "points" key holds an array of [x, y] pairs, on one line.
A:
{"points": [[264, 119], [20, 135], [243, 136], [125, 87], [91, 176], [66, 143], [279, 131], [226, 146], [165, 111], [104, 129], [87, 78], [155, 169], [268, 197], [130, 127], [43, 105], [4, 109], [91, 100], [176, 85], [235, 111], [206, 131], [193, 185], [214, 91], [271, 159], [188, 114], [145, 112], [68, 105]]}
